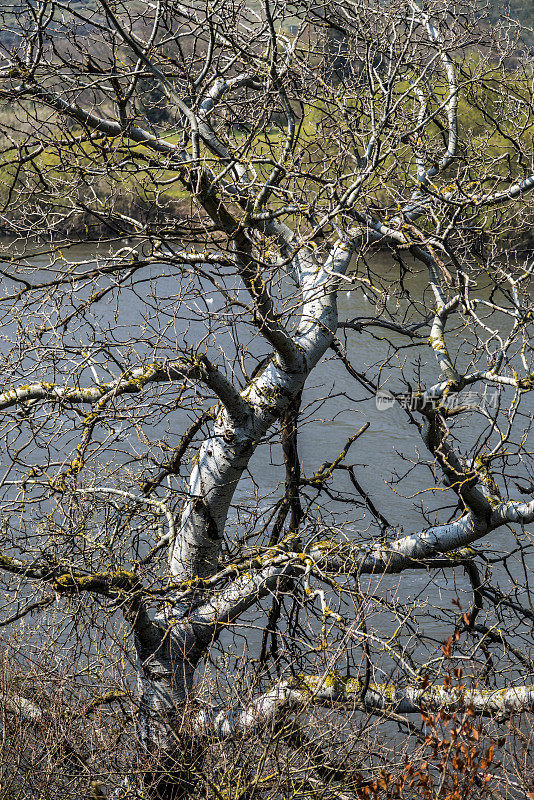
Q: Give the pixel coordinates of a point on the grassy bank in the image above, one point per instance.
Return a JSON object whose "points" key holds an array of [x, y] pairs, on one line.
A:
{"points": [[57, 179]]}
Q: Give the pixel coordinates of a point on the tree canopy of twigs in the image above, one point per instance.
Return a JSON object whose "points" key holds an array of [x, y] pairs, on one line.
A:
{"points": [[229, 228]]}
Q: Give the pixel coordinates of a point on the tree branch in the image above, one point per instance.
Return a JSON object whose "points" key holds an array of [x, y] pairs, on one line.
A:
{"points": [[196, 368], [293, 696]]}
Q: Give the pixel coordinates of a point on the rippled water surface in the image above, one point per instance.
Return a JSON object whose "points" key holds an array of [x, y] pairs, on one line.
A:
{"points": [[334, 408]]}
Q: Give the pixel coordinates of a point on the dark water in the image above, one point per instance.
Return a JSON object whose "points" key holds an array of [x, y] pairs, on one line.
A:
{"points": [[334, 407]]}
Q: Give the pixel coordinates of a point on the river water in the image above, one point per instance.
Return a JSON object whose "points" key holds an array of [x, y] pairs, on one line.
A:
{"points": [[334, 407]]}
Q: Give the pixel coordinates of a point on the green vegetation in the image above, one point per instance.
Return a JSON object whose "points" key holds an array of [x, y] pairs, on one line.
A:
{"points": [[64, 186]]}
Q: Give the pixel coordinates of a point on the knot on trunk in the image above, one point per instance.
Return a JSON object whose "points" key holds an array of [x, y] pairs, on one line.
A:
{"points": [[201, 508]]}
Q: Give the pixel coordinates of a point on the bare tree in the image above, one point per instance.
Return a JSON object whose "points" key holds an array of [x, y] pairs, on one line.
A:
{"points": [[235, 179]]}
